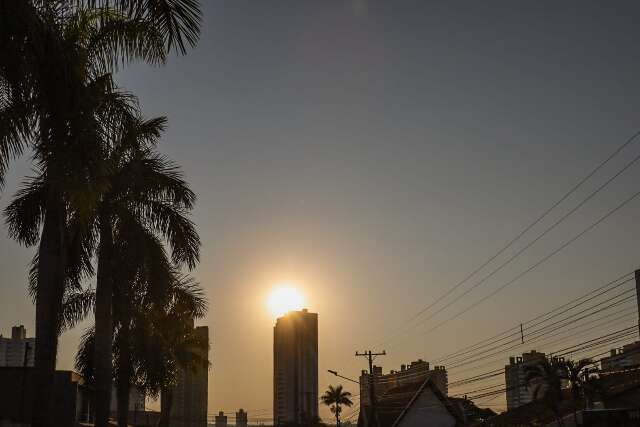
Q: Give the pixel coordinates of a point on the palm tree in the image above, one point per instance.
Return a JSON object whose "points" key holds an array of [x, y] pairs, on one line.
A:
{"points": [[135, 324], [146, 194], [52, 78], [335, 397], [545, 378], [574, 373]]}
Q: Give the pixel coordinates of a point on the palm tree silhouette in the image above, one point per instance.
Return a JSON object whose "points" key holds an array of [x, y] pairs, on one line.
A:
{"points": [[546, 377], [57, 96], [574, 373], [334, 398]]}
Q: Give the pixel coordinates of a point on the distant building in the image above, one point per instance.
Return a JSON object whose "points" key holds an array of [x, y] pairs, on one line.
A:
{"points": [[241, 418], [519, 391], [622, 358], [12, 350], [295, 368], [221, 420], [190, 395], [416, 371]]}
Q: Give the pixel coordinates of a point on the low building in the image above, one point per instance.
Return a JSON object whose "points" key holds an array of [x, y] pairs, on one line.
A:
{"points": [[420, 403], [221, 420], [17, 351], [622, 358], [519, 392], [72, 397], [417, 371]]}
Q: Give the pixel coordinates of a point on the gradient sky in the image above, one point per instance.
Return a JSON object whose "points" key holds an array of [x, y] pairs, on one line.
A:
{"points": [[374, 153]]}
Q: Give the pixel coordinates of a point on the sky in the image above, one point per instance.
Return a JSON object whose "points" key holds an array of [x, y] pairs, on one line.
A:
{"points": [[373, 154]]}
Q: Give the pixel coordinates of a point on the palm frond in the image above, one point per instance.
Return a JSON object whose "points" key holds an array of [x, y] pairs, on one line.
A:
{"points": [[24, 215], [77, 307], [84, 361]]}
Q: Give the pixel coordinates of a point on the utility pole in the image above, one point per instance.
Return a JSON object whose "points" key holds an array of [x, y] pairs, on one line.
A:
{"points": [[638, 296], [372, 395]]}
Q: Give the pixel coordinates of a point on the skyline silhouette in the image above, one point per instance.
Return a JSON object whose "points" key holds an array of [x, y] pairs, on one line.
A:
{"points": [[373, 155]]}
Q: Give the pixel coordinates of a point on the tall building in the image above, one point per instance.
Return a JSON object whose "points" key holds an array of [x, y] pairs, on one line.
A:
{"points": [[519, 391], [12, 350], [415, 372], [295, 368], [190, 395]]}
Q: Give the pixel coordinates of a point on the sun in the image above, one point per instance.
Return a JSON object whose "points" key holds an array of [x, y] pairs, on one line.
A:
{"points": [[284, 299]]}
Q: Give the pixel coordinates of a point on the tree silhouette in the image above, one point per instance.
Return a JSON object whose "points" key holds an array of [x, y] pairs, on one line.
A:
{"points": [[335, 398]]}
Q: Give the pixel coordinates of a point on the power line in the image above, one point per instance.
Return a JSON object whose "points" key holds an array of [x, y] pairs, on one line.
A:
{"points": [[533, 224], [541, 261], [545, 316]]}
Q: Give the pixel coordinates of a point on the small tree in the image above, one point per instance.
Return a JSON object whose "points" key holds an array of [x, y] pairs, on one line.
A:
{"points": [[546, 379], [334, 398], [574, 373]]}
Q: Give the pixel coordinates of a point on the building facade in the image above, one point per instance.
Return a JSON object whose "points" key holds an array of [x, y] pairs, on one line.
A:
{"points": [[190, 395], [622, 358], [14, 349], [295, 368], [417, 371], [519, 391], [241, 418], [221, 420]]}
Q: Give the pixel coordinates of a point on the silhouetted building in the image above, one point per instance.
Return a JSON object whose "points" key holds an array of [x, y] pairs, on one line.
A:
{"points": [[622, 358], [241, 418], [72, 398], [519, 392], [190, 395], [417, 371], [12, 350], [221, 420], [295, 367], [414, 403]]}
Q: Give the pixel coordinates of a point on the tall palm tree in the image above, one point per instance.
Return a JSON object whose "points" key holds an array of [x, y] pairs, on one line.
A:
{"points": [[545, 378], [49, 80], [335, 398], [146, 195]]}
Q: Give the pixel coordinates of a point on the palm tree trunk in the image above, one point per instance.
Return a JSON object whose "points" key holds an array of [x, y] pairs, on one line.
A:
{"points": [[124, 375], [337, 416], [104, 326], [51, 274], [166, 401]]}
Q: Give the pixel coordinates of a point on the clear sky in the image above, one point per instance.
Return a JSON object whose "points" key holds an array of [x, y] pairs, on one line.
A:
{"points": [[374, 153]]}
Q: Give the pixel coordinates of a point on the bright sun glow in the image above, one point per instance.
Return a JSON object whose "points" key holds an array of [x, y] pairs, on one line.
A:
{"points": [[285, 299]]}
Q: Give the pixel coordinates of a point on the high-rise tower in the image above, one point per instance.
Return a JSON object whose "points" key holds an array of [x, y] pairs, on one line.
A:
{"points": [[295, 368]]}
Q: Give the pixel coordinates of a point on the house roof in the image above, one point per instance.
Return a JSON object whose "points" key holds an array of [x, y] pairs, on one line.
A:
{"points": [[393, 405]]}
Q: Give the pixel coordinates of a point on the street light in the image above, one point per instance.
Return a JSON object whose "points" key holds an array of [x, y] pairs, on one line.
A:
{"points": [[346, 378]]}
